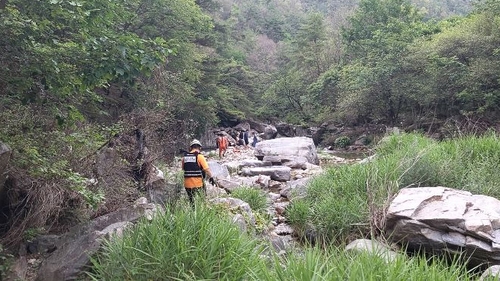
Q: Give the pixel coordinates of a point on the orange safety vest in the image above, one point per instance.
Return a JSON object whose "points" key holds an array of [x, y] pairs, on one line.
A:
{"points": [[222, 142]]}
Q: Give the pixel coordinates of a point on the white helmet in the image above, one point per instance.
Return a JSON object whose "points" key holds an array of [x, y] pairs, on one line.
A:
{"points": [[195, 142]]}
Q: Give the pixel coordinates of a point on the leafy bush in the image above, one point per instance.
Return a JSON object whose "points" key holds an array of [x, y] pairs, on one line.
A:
{"points": [[5, 262], [342, 142]]}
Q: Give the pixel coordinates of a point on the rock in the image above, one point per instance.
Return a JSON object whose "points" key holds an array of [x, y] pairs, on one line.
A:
{"points": [[74, 248], [156, 186], [218, 171], [295, 188], [238, 205], [253, 163], [155, 179], [492, 273], [257, 126], [270, 132], [280, 207], [291, 147], [243, 126], [18, 270], [228, 184], [294, 162], [281, 243], [373, 247], [239, 220], [273, 196], [283, 229], [441, 219], [286, 130], [278, 173], [43, 244]]}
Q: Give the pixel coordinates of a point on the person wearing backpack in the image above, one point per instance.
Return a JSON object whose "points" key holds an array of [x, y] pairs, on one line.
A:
{"points": [[195, 169], [255, 140], [222, 143]]}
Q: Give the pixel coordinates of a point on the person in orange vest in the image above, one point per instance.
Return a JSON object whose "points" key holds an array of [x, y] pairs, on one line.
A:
{"points": [[222, 144], [196, 169]]}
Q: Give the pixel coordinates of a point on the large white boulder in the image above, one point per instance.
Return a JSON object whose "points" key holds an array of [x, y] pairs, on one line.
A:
{"points": [[441, 219], [288, 148]]}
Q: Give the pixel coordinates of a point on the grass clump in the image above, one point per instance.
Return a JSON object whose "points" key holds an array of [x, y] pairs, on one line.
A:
{"points": [[256, 198], [182, 244], [335, 200]]}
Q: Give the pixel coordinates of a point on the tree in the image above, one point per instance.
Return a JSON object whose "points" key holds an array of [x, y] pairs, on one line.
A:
{"points": [[60, 51], [377, 41], [460, 67]]}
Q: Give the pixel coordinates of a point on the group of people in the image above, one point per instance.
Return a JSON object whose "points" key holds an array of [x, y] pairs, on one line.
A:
{"points": [[241, 138], [195, 166]]}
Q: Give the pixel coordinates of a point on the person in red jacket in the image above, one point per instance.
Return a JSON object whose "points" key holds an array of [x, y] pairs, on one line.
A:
{"points": [[195, 168], [222, 144]]}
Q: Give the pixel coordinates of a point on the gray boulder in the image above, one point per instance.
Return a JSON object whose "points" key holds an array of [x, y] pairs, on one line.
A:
{"points": [[492, 273], [229, 184], [73, 250], [238, 206], [441, 219], [278, 173], [294, 162], [373, 247], [218, 171], [288, 147], [270, 132], [295, 188]]}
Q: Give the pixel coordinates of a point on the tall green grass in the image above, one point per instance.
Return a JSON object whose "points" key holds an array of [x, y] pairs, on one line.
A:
{"points": [[345, 196], [203, 244], [335, 264], [256, 198], [183, 244]]}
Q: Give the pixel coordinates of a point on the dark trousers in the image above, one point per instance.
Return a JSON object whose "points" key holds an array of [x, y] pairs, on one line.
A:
{"points": [[192, 192]]}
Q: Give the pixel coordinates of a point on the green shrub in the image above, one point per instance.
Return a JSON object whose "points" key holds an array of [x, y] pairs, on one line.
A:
{"points": [[342, 142], [5, 262]]}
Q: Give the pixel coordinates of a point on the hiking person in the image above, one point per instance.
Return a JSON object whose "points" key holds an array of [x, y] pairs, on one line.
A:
{"points": [[240, 139], [195, 169], [245, 137], [255, 140], [222, 143]]}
